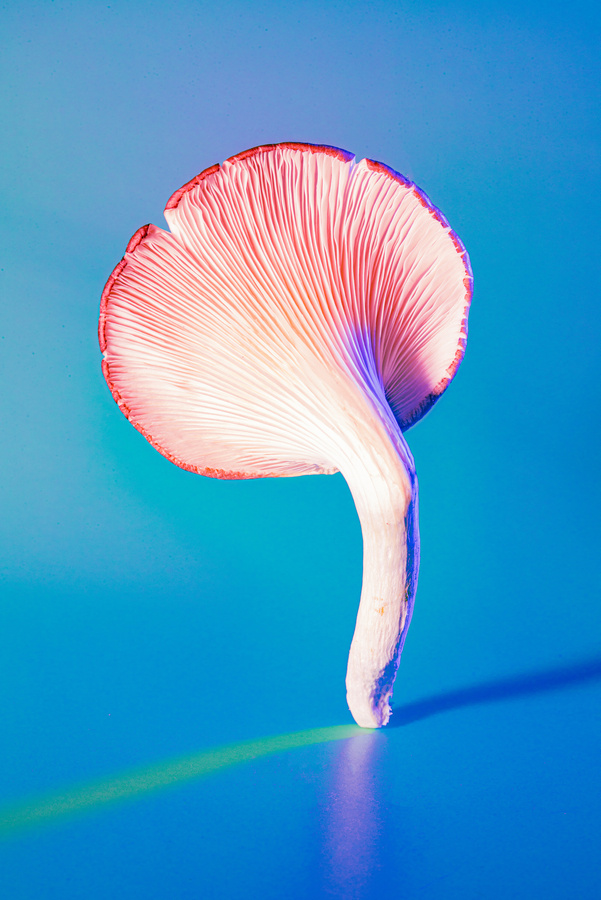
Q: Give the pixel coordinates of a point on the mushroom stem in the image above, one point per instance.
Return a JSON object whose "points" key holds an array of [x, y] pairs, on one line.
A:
{"points": [[384, 487]]}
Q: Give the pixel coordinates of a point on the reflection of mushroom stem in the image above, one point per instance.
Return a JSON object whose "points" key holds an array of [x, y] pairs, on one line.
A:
{"points": [[384, 487]]}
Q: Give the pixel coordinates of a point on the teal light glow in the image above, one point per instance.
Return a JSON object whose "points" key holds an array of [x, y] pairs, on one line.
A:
{"points": [[122, 787]]}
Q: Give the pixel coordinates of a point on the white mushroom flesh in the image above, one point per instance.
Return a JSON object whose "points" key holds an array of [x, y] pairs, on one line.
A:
{"points": [[302, 311]]}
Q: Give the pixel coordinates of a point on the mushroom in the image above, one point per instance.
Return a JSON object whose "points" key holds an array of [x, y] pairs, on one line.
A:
{"points": [[301, 313]]}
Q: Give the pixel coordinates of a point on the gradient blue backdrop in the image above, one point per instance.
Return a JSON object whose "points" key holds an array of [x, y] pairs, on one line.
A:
{"points": [[148, 613]]}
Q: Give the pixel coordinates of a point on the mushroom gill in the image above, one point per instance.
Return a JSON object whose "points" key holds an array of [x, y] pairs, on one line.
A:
{"points": [[300, 314]]}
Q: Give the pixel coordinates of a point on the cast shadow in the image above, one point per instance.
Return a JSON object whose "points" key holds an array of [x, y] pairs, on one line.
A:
{"points": [[495, 691]]}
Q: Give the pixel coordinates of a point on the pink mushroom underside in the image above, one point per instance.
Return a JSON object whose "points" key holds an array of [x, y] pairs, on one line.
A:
{"points": [[300, 313], [288, 271]]}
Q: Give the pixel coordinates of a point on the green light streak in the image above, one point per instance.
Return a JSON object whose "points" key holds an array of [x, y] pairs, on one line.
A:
{"points": [[122, 787]]}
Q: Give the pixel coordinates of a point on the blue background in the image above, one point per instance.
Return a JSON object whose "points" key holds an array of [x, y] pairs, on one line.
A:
{"points": [[148, 613]]}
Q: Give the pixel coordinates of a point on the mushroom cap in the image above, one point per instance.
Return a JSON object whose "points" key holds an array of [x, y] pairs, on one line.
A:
{"points": [[294, 287]]}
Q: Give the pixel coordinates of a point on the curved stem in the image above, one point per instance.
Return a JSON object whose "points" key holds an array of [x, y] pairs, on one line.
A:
{"points": [[382, 480]]}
